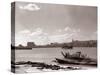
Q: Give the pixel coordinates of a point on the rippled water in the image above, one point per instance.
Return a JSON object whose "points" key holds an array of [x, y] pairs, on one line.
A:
{"points": [[48, 54]]}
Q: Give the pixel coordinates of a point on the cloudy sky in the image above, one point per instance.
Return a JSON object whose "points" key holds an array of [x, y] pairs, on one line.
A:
{"points": [[46, 23]]}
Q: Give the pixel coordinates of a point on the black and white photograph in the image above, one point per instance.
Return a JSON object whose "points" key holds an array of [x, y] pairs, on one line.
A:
{"points": [[49, 37]]}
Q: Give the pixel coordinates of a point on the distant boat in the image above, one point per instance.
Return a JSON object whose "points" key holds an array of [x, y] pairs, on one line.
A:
{"points": [[67, 47]]}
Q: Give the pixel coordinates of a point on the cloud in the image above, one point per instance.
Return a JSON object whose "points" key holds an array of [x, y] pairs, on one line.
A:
{"points": [[30, 7], [76, 30], [37, 31], [37, 36], [25, 32], [61, 38], [94, 35], [59, 30], [41, 38], [67, 29], [22, 37]]}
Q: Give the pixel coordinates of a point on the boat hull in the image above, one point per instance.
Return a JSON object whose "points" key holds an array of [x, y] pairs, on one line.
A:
{"points": [[75, 62]]}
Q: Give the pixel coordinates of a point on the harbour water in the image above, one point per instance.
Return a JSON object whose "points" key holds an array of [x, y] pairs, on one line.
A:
{"points": [[48, 55]]}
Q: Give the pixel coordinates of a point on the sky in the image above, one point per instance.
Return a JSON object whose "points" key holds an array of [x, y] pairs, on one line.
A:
{"points": [[48, 23]]}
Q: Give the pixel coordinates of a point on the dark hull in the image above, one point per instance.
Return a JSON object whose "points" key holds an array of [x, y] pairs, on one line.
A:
{"points": [[75, 62], [67, 47]]}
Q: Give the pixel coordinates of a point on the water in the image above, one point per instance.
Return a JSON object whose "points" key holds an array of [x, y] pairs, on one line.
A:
{"points": [[48, 54]]}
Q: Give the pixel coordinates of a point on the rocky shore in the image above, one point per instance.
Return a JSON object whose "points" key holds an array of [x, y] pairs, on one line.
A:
{"points": [[41, 65]]}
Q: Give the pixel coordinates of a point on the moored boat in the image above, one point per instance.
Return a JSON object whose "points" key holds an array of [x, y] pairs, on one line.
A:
{"points": [[76, 58], [67, 47]]}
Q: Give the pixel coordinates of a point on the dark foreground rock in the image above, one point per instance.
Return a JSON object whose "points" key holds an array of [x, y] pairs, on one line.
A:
{"points": [[41, 65]]}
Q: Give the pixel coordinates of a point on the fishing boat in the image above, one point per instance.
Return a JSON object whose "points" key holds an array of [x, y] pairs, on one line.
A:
{"points": [[76, 58], [76, 55]]}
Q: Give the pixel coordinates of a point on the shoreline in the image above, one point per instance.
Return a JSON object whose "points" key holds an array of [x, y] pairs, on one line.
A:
{"points": [[48, 47], [29, 67], [41, 66]]}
